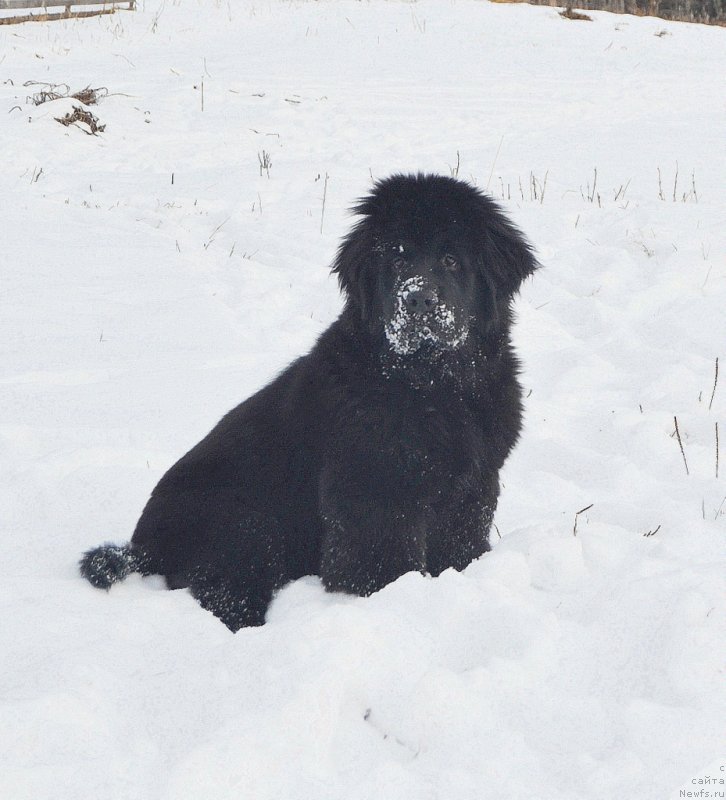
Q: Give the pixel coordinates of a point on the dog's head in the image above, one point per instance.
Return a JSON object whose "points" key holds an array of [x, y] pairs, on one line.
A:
{"points": [[430, 259]]}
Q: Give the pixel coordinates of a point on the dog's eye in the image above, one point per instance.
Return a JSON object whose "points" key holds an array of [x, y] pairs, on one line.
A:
{"points": [[450, 262]]}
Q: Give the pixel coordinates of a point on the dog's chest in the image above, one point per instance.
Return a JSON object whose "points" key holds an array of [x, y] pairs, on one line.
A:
{"points": [[434, 438]]}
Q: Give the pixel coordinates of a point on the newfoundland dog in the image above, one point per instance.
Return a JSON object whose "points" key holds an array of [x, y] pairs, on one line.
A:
{"points": [[379, 451]]}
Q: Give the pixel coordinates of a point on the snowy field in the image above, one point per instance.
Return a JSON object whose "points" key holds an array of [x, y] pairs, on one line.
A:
{"points": [[155, 274]]}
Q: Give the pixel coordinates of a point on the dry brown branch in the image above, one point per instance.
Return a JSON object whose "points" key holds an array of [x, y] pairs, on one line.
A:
{"points": [[90, 97], [81, 115], [568, 13]]}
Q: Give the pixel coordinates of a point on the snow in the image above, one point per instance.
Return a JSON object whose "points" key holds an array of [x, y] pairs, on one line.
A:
{"points": [[156, 274], [438, 326]]}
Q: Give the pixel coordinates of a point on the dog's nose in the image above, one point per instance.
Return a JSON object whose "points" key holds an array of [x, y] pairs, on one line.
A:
{"points": [[420, 301]]}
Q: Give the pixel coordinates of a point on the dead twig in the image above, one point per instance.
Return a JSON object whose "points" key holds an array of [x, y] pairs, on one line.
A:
{"points": [[455, 170], [325, 195], [265, 161], [215, 232], [577, 514], [59, 91], [717, 450], [81, 115], [680, 443], [568, 13], [90, 97], [715, 381]]}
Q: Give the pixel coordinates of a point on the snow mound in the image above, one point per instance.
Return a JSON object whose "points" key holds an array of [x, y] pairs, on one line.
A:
{"points": [[156, 273]]}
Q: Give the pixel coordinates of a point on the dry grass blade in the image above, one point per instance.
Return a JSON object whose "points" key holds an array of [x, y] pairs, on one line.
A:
{"points": [[90, 97], [59, 91], [44, 96], [50, 91], [715, 384], [717, 451], [577, 514], [680, 444]]}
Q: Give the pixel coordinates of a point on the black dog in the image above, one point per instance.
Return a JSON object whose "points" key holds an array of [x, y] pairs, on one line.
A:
{"points": [[378, 452]]}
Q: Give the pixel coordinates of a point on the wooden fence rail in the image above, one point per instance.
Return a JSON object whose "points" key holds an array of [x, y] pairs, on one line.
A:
{"points": [[38, 9], [12, 4], [712, 12]]}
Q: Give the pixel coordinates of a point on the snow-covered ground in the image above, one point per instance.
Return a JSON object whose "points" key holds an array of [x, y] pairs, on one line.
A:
{"points": [[151, 278]]}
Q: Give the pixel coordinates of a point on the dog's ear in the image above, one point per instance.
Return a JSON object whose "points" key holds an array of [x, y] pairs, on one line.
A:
{"points": [[488, 316], [505, 256], [353, 266]]}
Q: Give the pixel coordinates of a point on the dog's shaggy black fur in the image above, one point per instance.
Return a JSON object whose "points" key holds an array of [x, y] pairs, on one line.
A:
{"points": [[379, 451]]}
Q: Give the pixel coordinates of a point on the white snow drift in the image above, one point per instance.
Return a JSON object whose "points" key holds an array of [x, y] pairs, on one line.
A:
{"points": [[155, 274]]}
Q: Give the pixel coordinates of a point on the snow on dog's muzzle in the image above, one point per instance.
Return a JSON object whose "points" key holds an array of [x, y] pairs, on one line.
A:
{"points": [[419, 316]]}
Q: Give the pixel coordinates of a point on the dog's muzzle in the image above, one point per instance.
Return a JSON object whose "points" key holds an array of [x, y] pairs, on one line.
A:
{"points": [[420, 317]]}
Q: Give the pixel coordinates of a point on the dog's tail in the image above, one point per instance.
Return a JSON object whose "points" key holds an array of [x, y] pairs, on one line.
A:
{"points": [[110, 563]]}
